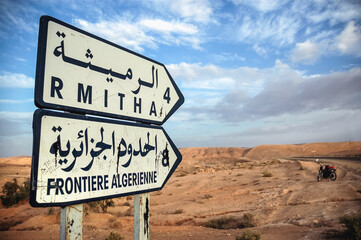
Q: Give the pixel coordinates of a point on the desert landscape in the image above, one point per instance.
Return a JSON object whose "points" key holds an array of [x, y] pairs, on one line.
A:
{"points": [[275, 186]]}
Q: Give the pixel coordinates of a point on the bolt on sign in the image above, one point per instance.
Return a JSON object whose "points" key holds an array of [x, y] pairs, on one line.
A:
{"points": [[79, 158], [79, 72]]}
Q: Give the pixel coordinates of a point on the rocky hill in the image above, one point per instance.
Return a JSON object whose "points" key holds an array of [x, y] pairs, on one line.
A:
{"points": [[338, 149]]}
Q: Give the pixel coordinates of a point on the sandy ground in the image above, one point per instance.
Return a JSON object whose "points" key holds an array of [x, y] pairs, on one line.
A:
{"points": [[215, 182]]}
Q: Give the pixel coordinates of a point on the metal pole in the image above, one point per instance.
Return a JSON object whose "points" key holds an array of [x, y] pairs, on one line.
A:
{"points": [[141, 216], [71, 222]]}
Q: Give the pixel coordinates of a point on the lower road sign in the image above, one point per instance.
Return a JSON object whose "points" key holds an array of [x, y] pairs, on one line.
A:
{"points": [[79, 159]]}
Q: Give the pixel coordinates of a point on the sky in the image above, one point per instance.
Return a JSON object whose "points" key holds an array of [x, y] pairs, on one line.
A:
{"points": [[252, 72]]}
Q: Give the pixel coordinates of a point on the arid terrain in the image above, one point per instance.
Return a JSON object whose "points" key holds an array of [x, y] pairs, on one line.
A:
{"points": [[271, 182]]}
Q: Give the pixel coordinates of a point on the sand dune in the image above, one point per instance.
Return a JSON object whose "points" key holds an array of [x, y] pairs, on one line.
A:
{"points": [[217, 182]]}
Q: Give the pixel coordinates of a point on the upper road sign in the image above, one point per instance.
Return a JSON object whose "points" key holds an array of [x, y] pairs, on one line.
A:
{"points": [[79, 72], [80, 159]]}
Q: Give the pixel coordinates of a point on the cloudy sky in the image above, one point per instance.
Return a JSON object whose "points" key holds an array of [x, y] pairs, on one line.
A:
{"points": [[252, 72]]}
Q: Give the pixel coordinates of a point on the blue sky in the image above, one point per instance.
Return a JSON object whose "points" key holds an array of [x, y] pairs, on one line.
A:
{"points": [[252, 72]]}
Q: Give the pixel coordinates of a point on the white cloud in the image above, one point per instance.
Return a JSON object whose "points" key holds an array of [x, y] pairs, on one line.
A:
{"points": [[20, 59], [259, 50], [144, 33], [316, 126], [191, 10], [275, 105], [121, 32], [306, 52], [169, 27], [282, 23], [249, 93], [227, 57], [18, 15], [290, 92], [172, 33], [209, 76], [262, 5], [349, 41], [278, 30], [329, 43], [11, 101], [333, 11], [16, 80]]}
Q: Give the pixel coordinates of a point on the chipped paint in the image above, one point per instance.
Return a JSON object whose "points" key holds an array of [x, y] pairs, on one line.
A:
{"points": [[71, 222], [141, 216]]}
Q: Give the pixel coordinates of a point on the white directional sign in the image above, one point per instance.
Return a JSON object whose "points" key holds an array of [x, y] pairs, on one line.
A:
{"points": [[79, 72], [80, 159]]}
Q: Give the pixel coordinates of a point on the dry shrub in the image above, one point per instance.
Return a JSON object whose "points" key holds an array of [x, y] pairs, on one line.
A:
{"points": [[14, 193], [50, 211], [353, 226], [182, 174], [232, 222], [178, 211], [113, 223], [114, 236], [249, 235], [267, 174], [103, 204], [208, 196]]}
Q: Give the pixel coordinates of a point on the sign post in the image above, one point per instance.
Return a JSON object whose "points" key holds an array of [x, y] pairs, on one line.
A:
{"points": [[80, 158], [141, 216], [71, 222]]}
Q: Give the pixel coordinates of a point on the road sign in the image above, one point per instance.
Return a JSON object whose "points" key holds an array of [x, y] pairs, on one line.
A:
{"points": [[79, 72], [80, 159]]}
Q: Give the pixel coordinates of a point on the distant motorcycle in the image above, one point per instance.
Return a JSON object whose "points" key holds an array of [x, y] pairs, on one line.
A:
{"points": [[326, 172]]}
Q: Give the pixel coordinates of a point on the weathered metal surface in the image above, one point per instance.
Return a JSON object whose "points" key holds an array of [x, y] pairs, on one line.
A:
{"points": [[141, 216], [71, 222]]}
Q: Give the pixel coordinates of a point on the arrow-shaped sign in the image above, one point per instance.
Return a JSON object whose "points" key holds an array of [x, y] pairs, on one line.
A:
{"points": [[79, 72], [79, 159]]}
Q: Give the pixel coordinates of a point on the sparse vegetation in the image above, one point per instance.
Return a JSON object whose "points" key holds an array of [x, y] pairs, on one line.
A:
{"points": [[275, 161], [353, 226], [231, 222], [14, 193], [103, 204], [267, 174], [182, 174], [249, 235], [114, 236], [208, 196], [50, 211], [178, 211]]}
